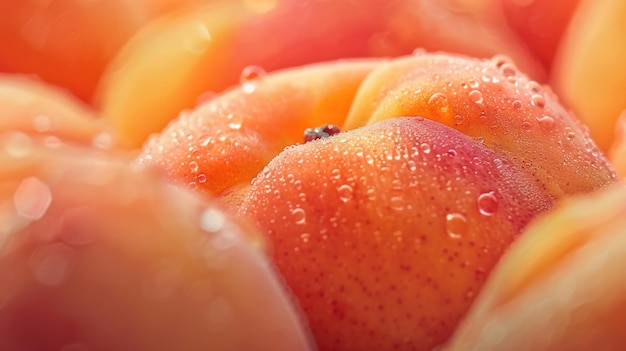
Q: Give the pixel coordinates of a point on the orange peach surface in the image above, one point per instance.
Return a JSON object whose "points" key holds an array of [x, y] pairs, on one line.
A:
{"points": [[590, 73], [96, 255], [385, 233], [498, 106], [171, 62], [561, 286]]}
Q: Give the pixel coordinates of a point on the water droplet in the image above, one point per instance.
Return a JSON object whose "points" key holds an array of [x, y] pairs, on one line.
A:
{"points": [[452, 153], [419, 52], [425, 148], [508, 70], [205, 97], [336, 173], [546, 121], [219, 314], [201, 178], [397, 203], [234, 122], [476, 96], [76, 228], [193, 166], [526, 126], [205, 140], [305, 237], [345, 192], [538, 100], [533, 87], [570, 134], [249, 78], [18, 145], [299, 215], [518, 105], [411, 165], [42, 123], [500, 60], [51, 264], [487, 203], [103, 141], [457, 119], [438, 102], [32, 198], [212, 220], [473, 83], [456, 225], [199, 39]]}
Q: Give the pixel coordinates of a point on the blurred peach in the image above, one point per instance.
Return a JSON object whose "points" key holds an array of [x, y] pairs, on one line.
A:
{"points": [[69, 42], [561, 285], [98, 255], [590, 69], [166, 67], [34, 107], [540, 24], [617, 153]]}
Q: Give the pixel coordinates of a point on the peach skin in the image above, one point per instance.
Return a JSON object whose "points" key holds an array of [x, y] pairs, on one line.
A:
{"points": [[589, 71], [97, 255], [497, 105], [228, 140], [560, 286], [167, 66], [380, 232]]}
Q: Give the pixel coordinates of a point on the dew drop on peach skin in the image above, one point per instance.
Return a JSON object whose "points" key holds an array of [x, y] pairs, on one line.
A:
{"points": [[249, 78]]}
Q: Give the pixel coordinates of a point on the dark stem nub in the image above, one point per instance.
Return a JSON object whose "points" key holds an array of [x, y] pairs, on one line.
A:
{"points": [[324, 131]]}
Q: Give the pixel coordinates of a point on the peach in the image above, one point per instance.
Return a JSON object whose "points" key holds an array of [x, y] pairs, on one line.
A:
{"points": [[168, 65], [497, 105], [381, 232], [540, 24], [98, 255], [227, 141], [589, 71], [617, 153], [34, 107], [51, 39], [560, 286], [69, 43]]}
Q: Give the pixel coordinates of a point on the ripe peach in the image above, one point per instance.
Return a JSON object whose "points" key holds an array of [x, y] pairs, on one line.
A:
{"points": [[386, 232], [589, 71], [228, 140], [560, 286], [97, 255], [498, 106], [170, 63]]}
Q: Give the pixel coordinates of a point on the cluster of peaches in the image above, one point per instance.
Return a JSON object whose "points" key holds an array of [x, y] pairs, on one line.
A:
{"points": [[339, 175]]}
